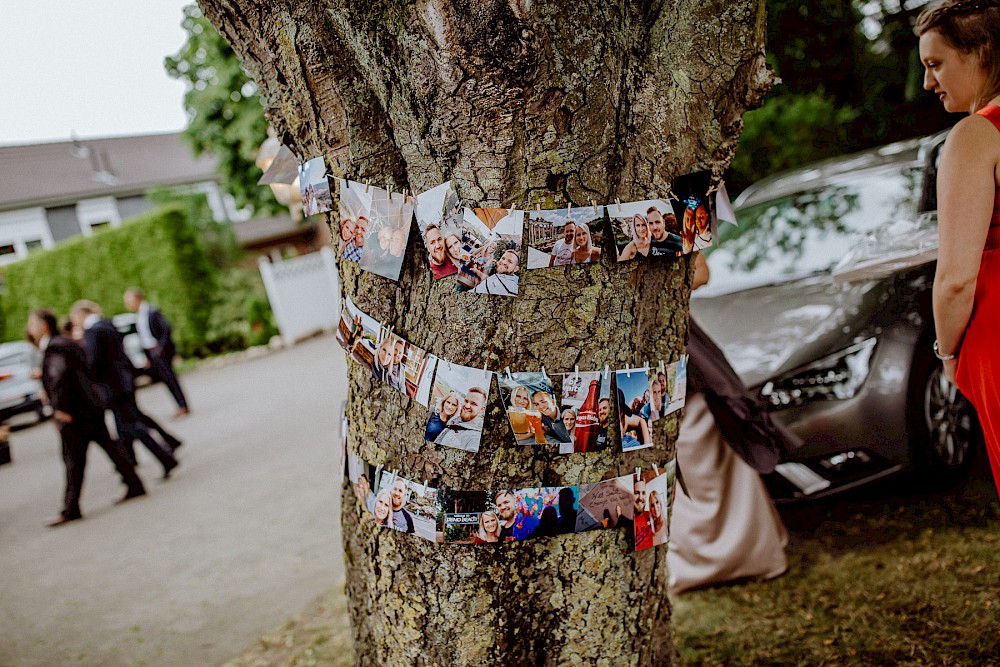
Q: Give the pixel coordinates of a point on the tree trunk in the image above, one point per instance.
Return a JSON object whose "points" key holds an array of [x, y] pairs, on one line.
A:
{"points": [[518, 102]]}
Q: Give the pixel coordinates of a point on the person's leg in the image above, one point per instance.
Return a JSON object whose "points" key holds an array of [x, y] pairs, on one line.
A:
{"points": [[163, 370], [130, 425], [98, 432], [172, 441], [74, 447]]}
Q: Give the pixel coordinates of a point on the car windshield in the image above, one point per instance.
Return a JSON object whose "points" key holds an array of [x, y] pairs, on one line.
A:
{"points": [[811, 230]]}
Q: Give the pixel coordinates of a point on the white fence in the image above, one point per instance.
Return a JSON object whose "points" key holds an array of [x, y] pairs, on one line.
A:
{"points": [[304, 293]]}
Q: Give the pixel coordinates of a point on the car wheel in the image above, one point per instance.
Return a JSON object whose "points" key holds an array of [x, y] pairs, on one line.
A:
{"points": [[944, 423]]}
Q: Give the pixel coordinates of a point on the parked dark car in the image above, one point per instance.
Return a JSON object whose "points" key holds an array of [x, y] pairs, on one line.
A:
{"points": [[849, 366]]}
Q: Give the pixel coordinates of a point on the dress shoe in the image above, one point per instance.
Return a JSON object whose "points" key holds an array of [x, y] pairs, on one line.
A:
{"points": [[169, 468], [182, 412], [60, 520], [130, 495]]}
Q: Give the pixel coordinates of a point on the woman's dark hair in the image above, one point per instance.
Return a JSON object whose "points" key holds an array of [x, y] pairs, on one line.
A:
{"points": [[972, 27], [47, 316]]}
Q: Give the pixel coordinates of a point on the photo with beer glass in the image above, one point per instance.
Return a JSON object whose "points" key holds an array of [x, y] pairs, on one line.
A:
{"points": [[564, 236], [692, 207], [586, 408], [532, 409], [440, 217], [530, 513], [635, 427], [633, 234], [314, 188], [606, 505], [470, 517], [457, 406], [355, 212], [359, 335], [413, 506], [388, 233], [653, 490]]}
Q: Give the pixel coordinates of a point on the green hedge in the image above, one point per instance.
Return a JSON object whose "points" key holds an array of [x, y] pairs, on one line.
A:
{"points": [[159, 252]]}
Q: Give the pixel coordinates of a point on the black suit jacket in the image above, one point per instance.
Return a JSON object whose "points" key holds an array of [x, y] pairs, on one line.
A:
{"points": [[159, 328], [109, 366], [65, 378]]}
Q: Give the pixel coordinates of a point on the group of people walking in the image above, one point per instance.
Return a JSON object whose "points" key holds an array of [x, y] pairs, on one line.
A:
{"points": [[85, 370]]}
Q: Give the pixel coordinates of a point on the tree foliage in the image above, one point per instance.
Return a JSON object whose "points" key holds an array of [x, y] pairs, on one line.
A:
{"points": [[225, 115]]}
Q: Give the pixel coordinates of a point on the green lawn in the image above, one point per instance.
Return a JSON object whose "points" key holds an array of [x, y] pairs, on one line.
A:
{"points": [[891, 576]]}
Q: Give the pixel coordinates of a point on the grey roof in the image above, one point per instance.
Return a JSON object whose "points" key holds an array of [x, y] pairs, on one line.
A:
{"points": [[61, 173], [275, 228]]}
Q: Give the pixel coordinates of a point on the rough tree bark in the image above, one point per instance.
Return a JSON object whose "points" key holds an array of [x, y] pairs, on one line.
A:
{"points": [[517, 102]]}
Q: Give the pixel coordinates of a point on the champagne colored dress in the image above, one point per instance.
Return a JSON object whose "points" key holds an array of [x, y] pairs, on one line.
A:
{"points": [[978, 371]]}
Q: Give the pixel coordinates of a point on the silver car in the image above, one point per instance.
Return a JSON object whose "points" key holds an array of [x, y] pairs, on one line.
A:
{"points": [[848, 366], [19, 391]]}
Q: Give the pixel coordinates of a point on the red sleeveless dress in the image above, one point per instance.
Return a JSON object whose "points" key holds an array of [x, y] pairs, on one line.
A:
{"points": [[978, 371]]}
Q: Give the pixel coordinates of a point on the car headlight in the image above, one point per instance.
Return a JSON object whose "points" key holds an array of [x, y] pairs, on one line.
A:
{"points": [[832, 378]]}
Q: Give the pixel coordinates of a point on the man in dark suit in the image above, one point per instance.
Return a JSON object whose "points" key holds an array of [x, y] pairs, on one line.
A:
{"points": [[154, 335], [77, 412], [112, 373]]}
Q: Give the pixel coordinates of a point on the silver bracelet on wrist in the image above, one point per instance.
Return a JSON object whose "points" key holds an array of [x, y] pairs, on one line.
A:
{"points": [[943, 357]]}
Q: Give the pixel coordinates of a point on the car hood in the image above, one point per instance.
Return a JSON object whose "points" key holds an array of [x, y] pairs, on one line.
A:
{"points": [[769, 330]]}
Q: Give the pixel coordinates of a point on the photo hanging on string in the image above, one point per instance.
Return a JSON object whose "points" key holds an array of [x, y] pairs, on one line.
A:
{"points": [[586, 409], [314, 187], [470, 517], [564, 236], [355, 212], [532, 409], [529, 513], [692, 207], [363, 478], [639, 227], [489, 256], [413, 508], [388, 233], [654, 494], [457, 406], [606, 505], [359, 335], [675, 380], [440, 218], [633, 416]]}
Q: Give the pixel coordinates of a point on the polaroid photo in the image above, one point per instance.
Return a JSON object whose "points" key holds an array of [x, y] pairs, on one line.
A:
{"points": [[536, 512], [470, 517], [283, 170], [675, 379], [457, 405], [586, 409], [653, 494], [387, 234], [388, 366], [418, 371], [496, 268], [355, 212], [314, 187], [606, 505], [532, 409], [343, 443], [565, 236], [363, 478], [411, 507], [634, 423], [692, 207], [644, 228], [358, 334], [440, 218]]}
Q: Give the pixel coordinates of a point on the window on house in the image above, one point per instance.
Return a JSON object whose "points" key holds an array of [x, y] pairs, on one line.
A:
{"points": [[98, 226], [7, 249], [33, 245]]}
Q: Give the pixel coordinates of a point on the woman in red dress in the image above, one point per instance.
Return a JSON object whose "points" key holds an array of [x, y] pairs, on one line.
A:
{"points": [[960, 51]]}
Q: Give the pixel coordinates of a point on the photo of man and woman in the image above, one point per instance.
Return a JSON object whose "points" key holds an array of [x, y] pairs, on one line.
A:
{"points": [[388, 233], [314, 188], [531, 409], [606, 504], [359, 335], [633, 225], [493, 267], [458, 402], [633, 396], [536, 512], [692, 208], [653, 491], [565, 236], [470, 517], [440, 218], [355, 211], [413, 507], [586, 408]]}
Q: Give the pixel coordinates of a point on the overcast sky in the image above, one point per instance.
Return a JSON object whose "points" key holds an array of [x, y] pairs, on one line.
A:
{"points": [[95, 68]]}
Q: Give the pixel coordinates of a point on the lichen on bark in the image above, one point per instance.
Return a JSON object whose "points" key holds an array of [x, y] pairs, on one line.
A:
{"points": [[519, 102]]}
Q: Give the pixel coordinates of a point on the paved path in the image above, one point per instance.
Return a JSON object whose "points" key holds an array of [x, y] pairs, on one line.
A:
{"points": [[243, 535]]}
